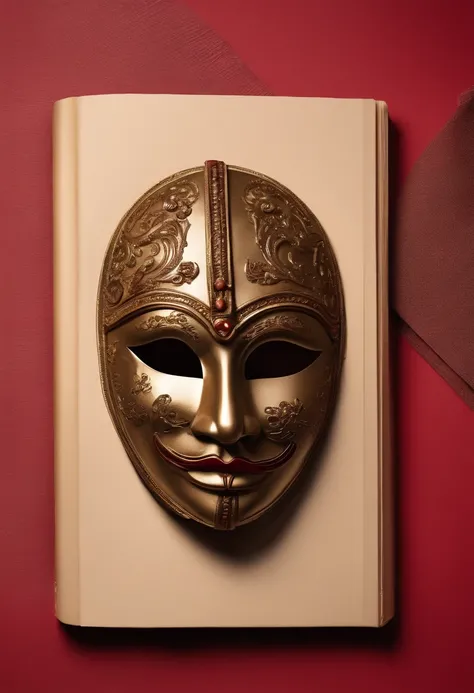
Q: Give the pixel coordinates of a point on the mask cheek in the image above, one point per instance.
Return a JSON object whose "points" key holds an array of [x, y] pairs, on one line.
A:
{"points": [[294, 408], [174, 403], [168, 400], [280, 408], [173, 406]]}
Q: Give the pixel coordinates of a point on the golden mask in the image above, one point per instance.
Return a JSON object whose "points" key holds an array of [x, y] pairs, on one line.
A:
{"points": [[221, 333]]}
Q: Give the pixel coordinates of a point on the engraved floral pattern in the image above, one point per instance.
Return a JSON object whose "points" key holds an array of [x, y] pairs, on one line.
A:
{"points": [[288, 300], [142, 384], [111, 352], [285, 420], [130, 408], [158, 298], [292, 243], [173, 319], [274, 322], [149, 249], [168, 417]]}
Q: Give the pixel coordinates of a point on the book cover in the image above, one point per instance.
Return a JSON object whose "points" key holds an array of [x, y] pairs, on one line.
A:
{"points": [[135, 545]]}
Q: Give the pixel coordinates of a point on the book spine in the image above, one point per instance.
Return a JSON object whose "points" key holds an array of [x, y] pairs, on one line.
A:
{"points": [[386, 480], [66, 482]]}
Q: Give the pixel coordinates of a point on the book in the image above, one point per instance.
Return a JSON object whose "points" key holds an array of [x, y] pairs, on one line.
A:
{"points": [[124, 560]]}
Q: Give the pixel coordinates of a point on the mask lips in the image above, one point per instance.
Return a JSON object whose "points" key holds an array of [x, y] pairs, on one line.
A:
{"points": [[213, 463]]}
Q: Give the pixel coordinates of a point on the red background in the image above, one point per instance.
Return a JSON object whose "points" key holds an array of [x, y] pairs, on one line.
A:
{"points": [[418, 55]]}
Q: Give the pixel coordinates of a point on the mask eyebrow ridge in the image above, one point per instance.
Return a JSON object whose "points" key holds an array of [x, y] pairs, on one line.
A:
{"points": [[272, 323]]}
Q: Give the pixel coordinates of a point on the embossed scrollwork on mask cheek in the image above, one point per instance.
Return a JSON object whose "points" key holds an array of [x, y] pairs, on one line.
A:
{"points": [[149, 249], [167, 416], [142, 384], [284, 421], [128, 405], [111, 353], [323, 393]]}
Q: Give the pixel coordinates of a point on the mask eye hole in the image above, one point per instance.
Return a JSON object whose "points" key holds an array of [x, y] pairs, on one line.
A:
{"points": [[278, 359], [170, 356]]}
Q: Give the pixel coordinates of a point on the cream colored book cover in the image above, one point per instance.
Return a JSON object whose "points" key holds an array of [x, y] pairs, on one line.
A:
{"points": [[136, 546]]}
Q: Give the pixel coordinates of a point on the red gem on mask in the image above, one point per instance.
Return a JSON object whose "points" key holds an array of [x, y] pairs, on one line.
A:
{"points": [[220, 304], [219, 284], [223, 327]]}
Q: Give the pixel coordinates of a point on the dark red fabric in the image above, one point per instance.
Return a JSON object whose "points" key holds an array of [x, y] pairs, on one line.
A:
{"points": [[459, 385], [434, 252], [417, 56]]}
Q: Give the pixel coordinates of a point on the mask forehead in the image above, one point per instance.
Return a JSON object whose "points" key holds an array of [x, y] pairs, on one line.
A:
{"points": [[158, 249], [223, 241], [281, 255]]}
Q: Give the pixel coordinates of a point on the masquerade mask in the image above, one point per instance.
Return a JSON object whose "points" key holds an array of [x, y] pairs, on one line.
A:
{"points": [[221, 330]]}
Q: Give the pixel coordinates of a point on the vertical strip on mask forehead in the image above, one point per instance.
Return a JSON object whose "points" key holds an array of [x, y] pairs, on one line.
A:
{"points": [[219, 251]]}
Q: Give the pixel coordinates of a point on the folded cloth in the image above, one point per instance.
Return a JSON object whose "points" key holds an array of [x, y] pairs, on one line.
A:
{"points": [[433, 253]]}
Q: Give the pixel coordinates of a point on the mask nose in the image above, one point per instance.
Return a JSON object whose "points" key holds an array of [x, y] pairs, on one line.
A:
{"points": [[225, 414]]}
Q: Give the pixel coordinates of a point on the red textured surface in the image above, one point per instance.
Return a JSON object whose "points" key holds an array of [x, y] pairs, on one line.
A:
{"points": [[418, 56]]}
